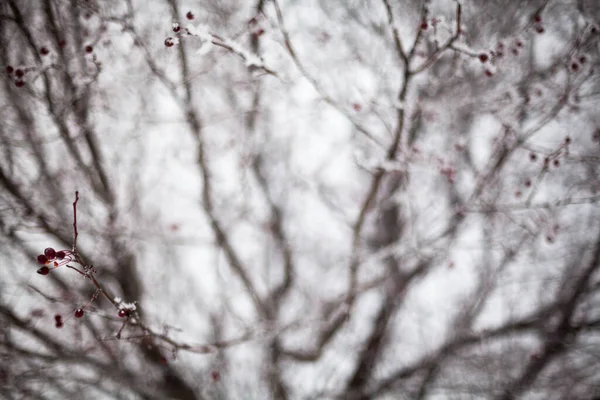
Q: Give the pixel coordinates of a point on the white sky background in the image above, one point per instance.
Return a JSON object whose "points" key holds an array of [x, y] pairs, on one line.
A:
{"points": [[311, 150]]}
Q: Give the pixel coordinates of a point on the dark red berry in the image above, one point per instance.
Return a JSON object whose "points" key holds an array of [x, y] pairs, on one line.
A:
{"points": [[42, 259], [57, 317], [594, 30], [582, 59], [60, 254], [44, 51], [50, 253], [215, 375], [189, 15], [574, 66], [43, 271], [123, 313], [568, 140], [483, 57], [518, 43], [59, 324], [19, 72], [176, 28], [169, 42], [19, 83], [533, 157], [556, 163], [89, 49], [488, 72], [537, 19], [539, 29], [528, 183], [424, 25], [9, 69], [62, 43], [79, 313]]}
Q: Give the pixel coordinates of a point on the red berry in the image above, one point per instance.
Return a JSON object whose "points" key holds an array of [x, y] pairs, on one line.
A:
{"points": [[89, 49], [537, 19], [57, 317], [483, 57], [539, 29], [176, 28], [189, 15], [582, 59], [169, 42], [50, 253], [528, 183], [62, 43], [488, 72], [574, 66], [79, 313], [43, 271], [19, 72], [9, 69], [19, 83], [123, 313], [60, 254], [42, 259], [556, 163], [424, 26], [518, 43], [44, 51], [215, 375]]}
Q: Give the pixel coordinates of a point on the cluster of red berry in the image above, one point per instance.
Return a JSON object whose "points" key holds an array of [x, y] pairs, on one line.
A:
{"points": [[53, 258]]}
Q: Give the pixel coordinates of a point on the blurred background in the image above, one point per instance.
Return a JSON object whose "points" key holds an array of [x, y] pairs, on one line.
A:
{"points": [[319, 199]]}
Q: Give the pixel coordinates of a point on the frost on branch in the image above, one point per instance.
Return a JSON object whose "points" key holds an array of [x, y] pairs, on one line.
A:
{"points": [[209, 40]]}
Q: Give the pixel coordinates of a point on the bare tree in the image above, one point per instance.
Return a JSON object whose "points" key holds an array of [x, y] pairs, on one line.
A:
{"points": [[341, 200]]}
